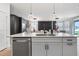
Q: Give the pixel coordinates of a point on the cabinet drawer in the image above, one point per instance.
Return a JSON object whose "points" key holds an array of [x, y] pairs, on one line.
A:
{"points": [[71, 39], [46, 39], [69, 49]]}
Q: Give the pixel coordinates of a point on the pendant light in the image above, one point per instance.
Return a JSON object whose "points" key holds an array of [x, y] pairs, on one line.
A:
{"points": [[54, 16], [55, 12], [30, 16]]}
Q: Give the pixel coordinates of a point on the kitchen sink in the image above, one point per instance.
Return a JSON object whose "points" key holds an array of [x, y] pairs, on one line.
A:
{"points": [[45, 34]]}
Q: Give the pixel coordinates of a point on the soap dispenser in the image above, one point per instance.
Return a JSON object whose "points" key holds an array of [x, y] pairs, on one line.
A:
{"points": [[51, 31]]}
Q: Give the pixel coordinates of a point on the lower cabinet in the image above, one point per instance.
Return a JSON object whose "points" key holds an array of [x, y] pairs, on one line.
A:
{"points": [[38, 49], [54, 49], [70, 46], [46, 47], [54, 46], [69, 49]]}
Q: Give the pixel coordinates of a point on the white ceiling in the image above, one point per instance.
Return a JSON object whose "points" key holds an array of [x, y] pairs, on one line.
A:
{"points": [[44, 10]]}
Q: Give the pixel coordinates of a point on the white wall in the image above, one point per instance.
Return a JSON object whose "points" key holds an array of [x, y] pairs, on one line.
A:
{"points": [[44, 10], [5, 11], [17, 12], [5, 7]]}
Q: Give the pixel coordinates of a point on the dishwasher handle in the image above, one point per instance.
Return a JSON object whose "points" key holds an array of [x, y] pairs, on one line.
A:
{"points": [[21, 41], [69, 39]]}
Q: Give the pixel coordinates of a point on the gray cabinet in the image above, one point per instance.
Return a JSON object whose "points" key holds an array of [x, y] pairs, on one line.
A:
{"points": [[38, 49], [54, 46], [54, 49], [46, 46], [69, 49], [46, 49], [70, 46], [21, 47]]}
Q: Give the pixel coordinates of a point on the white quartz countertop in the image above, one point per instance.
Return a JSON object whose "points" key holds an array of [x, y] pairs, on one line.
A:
{"points": [[34, 35]]}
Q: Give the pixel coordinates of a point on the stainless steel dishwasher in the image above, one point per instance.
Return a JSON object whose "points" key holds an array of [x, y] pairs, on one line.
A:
{"points": [[22, 46]]}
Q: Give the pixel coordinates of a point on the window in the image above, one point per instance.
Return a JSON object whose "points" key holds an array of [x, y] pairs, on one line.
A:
{"points": [[76, 27], [60, 25], [34, 25], [64, 25]]}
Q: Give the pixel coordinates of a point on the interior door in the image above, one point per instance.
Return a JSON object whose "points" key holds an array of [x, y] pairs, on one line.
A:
{"points": [[54, 49], [38, 49], [3, 30], [0, 42]]}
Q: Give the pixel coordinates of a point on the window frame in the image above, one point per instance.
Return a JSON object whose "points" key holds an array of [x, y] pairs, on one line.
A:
{"points": [[74, 25]]}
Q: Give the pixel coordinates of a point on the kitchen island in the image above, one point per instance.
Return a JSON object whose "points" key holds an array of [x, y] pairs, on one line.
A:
{"points": [[32, 44]]}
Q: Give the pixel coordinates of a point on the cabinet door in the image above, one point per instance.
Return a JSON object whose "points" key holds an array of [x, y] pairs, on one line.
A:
{"points": [[38, 49], [69, 46], [70, 49], [54, 49]]}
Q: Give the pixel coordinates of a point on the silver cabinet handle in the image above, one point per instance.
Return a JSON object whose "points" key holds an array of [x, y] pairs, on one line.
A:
{"points": [[20, 40], [69, 44], [69, 39], [46, 46]]}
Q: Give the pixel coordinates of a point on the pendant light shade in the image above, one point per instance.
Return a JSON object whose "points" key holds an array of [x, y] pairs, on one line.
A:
{"points": [[54, 17], [30, 16]]}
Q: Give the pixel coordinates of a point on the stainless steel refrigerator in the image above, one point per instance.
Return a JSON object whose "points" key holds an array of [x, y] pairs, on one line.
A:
{"points": [[15, 24]]}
